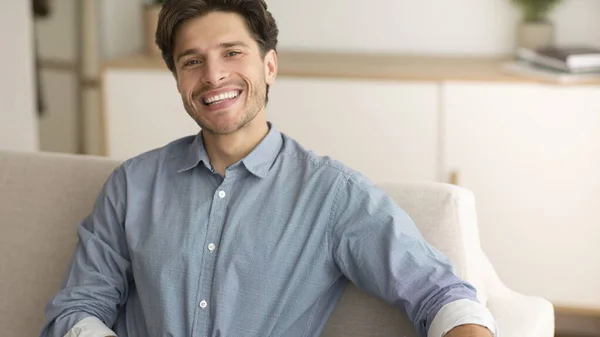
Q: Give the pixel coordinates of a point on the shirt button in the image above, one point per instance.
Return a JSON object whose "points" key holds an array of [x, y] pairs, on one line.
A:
{"points": [[211, 247], [222, 194], [203, 304]]}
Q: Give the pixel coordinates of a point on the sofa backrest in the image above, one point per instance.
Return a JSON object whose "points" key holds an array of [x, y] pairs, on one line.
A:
{"points": [[446, 216], [43, 197]]}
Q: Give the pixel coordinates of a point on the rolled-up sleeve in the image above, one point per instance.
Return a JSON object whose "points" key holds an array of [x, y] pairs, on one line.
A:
{"points": [[90, 327], [377, 247], [459, 313], [97, 279]]}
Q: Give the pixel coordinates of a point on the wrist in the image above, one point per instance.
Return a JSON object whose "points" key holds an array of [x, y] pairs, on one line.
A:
{"points": [[469, 330]]}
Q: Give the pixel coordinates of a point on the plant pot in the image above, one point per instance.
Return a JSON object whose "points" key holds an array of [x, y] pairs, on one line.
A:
{"points": [[150, 23], [535, 35]]}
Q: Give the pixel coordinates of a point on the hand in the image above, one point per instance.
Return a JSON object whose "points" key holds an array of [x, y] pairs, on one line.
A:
{"points": [[469, 330]]}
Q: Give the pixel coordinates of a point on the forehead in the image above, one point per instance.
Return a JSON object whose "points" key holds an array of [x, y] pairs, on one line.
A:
{"points": [[210, 30]]}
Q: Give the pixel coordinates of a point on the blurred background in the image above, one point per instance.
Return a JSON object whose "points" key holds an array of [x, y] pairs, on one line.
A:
{"points": [[73, 40], [434, 82]]}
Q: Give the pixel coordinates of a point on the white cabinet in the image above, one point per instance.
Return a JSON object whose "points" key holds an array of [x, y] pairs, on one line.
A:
{"points": [[531, 154], [385, 129]]}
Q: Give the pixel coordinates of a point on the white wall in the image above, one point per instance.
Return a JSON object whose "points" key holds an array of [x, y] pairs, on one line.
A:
{"points": [[121, 27], [475, 27], [57, 33], [459, 27], [18, 125], [57, 42]]}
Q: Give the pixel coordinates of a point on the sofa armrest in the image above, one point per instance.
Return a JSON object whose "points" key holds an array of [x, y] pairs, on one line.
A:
{"points": [[516, 315], [519, 315]]}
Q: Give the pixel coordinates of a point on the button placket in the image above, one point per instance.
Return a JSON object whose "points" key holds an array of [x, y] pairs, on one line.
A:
{"points": [[215, 227]]}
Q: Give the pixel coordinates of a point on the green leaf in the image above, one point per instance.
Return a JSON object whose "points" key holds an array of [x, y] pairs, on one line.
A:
{"points": [[536, 10]]}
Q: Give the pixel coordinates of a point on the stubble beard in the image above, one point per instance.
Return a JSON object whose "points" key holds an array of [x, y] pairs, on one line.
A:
{"points": [[253, 105]]}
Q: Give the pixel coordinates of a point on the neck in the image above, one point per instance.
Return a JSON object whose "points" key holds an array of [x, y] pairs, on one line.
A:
{"points": [[225, 150]]}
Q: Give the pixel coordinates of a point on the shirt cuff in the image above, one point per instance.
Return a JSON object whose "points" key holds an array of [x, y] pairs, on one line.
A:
{"points": [[90, 327], [461, 312]]}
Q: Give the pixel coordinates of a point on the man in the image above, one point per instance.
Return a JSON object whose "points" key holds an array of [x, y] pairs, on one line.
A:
{"points": [[239, 231]]}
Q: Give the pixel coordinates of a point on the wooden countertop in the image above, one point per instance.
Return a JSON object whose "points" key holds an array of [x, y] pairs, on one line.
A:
{"points": [[371, 66], [577, 311]]}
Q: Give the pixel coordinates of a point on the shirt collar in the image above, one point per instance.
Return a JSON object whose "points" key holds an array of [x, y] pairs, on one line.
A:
{"points": [[257, 162]]}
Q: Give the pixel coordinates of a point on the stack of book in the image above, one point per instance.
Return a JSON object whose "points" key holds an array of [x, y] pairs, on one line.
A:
{"points": [[560, 64]]}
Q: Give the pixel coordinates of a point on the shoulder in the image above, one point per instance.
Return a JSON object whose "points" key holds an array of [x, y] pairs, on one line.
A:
{"points": [[326, 169], [295, 153], [152, 161]]}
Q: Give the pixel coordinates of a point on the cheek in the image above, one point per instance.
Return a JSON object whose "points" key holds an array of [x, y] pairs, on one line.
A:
{"points": [[251, 72], [186, 88], [188, 79]]}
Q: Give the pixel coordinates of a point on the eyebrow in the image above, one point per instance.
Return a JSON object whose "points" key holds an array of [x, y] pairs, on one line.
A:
{"points": [[233, 44], [193, 51]]}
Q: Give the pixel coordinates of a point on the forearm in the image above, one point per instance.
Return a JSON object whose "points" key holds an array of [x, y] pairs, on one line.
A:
{"points": [[469, 330], [97, 279], [378, 248], [85, 292], [67, 314]]}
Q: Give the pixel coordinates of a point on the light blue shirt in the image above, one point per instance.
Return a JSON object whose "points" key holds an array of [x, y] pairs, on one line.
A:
{"points": [[171, 248]]}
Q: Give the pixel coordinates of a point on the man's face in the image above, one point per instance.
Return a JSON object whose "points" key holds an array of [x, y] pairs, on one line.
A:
{"points": [[221, 74]]}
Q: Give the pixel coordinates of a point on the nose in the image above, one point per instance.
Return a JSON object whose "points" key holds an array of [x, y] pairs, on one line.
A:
{"points": [[214, 72]]}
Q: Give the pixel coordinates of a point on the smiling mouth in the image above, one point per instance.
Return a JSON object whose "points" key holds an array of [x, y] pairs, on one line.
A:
{"points": [[221, 98]]}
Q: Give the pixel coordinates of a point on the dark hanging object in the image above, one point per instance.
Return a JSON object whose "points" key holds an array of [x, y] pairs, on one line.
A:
{"points": [[41, 9]]}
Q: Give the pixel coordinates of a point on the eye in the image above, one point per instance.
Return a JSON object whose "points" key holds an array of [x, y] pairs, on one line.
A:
{"points": [[191, 63], [232, 53]]}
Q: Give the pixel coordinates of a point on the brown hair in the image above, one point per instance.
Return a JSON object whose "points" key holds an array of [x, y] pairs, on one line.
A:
{"points": [[259, 20]]}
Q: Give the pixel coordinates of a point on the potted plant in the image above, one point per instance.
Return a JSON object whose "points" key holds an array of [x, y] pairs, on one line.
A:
{"points": [[535, 29], [151, 10]]}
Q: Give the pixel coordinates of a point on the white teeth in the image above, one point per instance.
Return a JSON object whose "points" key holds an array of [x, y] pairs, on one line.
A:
{"points": [[223, 96]]}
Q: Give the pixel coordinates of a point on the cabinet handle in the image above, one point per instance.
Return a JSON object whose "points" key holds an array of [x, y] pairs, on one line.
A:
{"points": [[454, 178]]}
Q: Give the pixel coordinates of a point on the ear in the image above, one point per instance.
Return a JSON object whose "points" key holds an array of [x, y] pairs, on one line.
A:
{"points": [[270, 67]]}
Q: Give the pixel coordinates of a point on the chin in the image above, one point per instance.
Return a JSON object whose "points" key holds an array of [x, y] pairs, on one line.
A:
{"points": [[224, 122], [223, 127]]}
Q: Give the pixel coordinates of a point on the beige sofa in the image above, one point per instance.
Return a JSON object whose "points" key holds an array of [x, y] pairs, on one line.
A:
{"points": [[44, 196]]}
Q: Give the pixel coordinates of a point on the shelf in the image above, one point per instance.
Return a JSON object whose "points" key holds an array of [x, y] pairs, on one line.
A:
{"points": [[370, 66], [577, 310]]}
